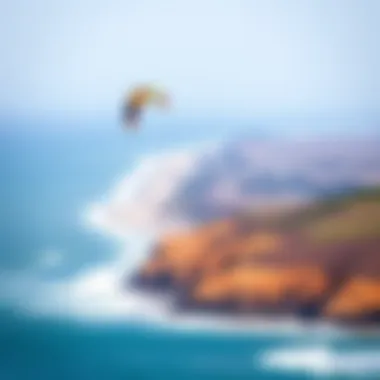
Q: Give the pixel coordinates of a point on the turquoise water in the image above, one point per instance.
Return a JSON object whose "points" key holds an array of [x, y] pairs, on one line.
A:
{"points": [[36, 349], [47, 178]]}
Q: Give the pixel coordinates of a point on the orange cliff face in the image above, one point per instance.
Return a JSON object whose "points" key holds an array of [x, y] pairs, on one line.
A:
{"points": [[263, 284], [237, 265], [180, 255], [358, 299], [207, 250]]}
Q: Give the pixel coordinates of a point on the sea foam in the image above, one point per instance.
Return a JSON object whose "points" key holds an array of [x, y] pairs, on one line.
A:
{"points": [[323, 361]]}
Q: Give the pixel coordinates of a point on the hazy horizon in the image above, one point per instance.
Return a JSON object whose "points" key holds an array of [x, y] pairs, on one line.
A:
{"points": [[235, 60]]}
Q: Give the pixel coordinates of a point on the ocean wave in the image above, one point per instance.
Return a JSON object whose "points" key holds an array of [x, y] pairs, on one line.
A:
{"points": [[321, 360], [138, 201]]}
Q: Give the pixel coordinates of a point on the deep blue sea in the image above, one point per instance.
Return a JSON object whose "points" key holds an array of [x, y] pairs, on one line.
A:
{"points": [[46, 180]]}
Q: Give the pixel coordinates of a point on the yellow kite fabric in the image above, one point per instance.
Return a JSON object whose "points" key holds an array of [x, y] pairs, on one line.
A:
{"points": [[140, 98]]}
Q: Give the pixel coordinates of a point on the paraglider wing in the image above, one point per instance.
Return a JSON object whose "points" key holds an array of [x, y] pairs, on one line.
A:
{"points": [[138, 99]]}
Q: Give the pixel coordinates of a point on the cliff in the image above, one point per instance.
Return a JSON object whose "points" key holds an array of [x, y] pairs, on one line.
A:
{"points": [[320, 260]]}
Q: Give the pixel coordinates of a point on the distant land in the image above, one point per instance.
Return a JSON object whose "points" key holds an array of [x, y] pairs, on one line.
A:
{"points": [[257, 173], [284, 227]]}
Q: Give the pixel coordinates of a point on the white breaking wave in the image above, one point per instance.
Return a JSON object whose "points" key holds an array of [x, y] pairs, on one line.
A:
{"points": [[138, 201], [324, 361], [134, 213]]}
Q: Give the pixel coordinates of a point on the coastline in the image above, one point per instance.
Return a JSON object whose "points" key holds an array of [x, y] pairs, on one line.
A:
{"points": [[98, 294]]}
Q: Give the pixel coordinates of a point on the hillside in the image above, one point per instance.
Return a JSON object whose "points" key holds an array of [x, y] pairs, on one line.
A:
{"points": [[256, 174], [201, 184], [320, 260]]}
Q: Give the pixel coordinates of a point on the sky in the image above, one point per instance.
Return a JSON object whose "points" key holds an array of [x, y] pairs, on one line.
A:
{"points": [[226, 57]]}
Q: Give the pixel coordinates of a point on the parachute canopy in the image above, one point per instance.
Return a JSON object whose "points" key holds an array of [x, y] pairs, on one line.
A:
{"points": [[138, 99]]}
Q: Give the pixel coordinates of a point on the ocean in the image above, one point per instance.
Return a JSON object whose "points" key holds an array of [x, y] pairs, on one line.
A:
{"points": [[62, 312]]}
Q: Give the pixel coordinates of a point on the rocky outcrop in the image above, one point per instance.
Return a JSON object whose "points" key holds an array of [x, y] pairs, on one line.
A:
{"points": [[276, 264], [357, 300], [263, 287]]}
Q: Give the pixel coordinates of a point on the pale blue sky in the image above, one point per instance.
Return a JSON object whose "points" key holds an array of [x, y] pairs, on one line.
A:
{"points": [[230, 57]]}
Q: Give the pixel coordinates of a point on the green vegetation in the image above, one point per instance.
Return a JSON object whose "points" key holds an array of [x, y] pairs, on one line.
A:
{"points": [[340, 218], [354, 215], [357, 220]]}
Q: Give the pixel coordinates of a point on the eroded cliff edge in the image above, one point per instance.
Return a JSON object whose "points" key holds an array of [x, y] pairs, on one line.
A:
{"points": [[315, 261]]}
